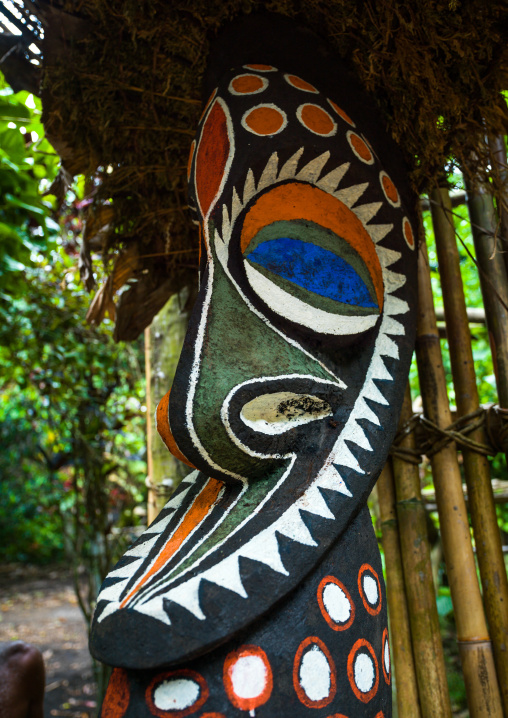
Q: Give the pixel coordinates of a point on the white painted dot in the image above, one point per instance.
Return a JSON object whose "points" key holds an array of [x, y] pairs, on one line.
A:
{"points": [[386, 657], [176, 694], [249, 676], [315, 674], [364, 672], [336, 603], [370, 590]]}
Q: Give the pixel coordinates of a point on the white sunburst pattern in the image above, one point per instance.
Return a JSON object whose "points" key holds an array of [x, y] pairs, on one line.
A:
{"points": [[263, 547]]}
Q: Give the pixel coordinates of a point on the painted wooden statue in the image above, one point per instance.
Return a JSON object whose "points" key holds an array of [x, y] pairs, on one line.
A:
{"points": [[258, 590]]}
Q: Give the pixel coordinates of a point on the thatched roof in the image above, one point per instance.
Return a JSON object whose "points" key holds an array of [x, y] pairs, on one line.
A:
{"points": [[121, 84]]}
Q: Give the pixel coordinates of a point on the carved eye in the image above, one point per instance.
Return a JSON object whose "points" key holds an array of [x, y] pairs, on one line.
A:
{"points": [[315, 266]]}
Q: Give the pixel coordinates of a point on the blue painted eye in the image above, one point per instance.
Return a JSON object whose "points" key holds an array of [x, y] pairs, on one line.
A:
{"points": [[313, 269]]}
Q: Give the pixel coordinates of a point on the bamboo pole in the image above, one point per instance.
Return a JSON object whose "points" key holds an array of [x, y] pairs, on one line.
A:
{"points": [[162, 348], [419, 584], [400, 632], [474, 644], [493, 282], [476, 466], [500, 171]]}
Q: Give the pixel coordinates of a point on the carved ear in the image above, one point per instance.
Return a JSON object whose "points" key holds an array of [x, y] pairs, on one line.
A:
{"points": [[214, 155]]}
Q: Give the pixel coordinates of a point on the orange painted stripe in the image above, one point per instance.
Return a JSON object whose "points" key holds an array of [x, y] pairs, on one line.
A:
{"points": [[197, 512]]}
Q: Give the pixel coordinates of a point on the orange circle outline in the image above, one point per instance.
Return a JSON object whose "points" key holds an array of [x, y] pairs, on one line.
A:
{"points": [[302, 696], [341, 113], [260, 68], [292, 80], [119, 693], [406, 222], [184, 673], [299, 115], [349, 135], [333, 624], [385, 176], [247, 704], [264, 106], [212, 715], [239, 93], [373, 611], [363, 697], [387, 677]]}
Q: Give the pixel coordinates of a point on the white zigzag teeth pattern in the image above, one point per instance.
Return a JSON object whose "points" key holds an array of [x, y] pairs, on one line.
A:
{"points": [[379, 231], [393, 281], [227, 575], [187, 596], [379, 371], [143, 549], [359, 437], [363, 411], [343, 456], [329, 478], [159, 526], [264, 548], [387, 347], [113, 593], [367, 211], [313, 502], [350, 195], [291, 525], [373, 393], [393, 327], [330, 182], [155, 609], [269, 173], [394, 305], [387, 257], [289, 168], [249, 188], [123, 572], [236, 206], [312, 170]]}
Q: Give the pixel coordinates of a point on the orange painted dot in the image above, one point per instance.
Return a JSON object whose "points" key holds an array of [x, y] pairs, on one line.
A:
{"points": [[341, 113], [389, 189], [175, 694], [189, 161], [408, 233], [385, 657], [360, 148], [264, 120], [117, 696], [248, 677], [261, 68], [363, 670], [317, 120], [213, 715], [247, 84], [299, 83], [369, 587]]}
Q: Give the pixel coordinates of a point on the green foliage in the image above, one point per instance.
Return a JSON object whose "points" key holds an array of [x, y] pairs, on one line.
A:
{"points": [[71, 423], [26, 158]]}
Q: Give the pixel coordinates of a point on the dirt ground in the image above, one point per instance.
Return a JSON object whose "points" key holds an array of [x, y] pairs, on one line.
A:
{"points": [[38, 605]]}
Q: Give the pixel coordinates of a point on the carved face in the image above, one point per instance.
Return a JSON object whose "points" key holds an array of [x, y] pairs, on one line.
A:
{"points": [[292, 373]]}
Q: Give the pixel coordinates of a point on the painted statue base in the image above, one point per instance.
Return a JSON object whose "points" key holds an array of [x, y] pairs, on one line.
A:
{"points": [[325, 648]]}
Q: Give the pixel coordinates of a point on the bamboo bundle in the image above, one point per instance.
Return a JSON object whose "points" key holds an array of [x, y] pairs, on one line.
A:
{"points": [[474, 644], [400, 632], [476, 466], [419, 585]]}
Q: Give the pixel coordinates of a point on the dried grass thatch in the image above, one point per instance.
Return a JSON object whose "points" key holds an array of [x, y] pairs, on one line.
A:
{"points": [[121, 96]]}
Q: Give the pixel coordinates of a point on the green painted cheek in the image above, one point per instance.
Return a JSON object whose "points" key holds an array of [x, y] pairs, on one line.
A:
{"points": [[238, 346]]}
